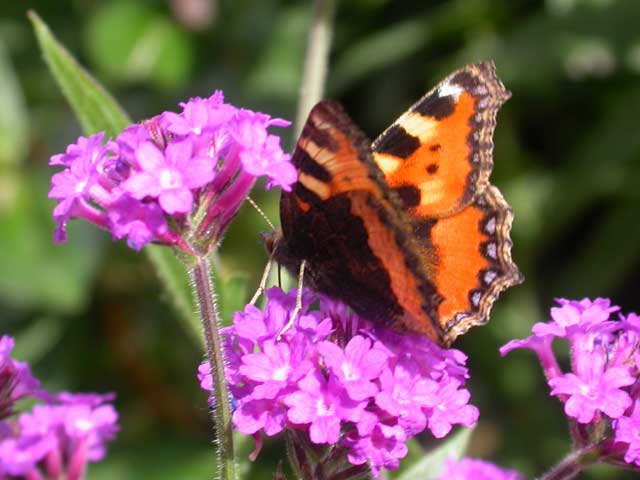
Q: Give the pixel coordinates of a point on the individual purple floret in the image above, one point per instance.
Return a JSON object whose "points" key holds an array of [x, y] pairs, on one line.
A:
{"points": [[349, 385], [628, 433], [601, 392], [55, 439], [176, 179], [473, 469]]}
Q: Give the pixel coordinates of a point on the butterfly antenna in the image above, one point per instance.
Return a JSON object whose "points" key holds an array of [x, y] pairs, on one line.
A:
{"points": [[298, 307], [267, 268], [262, 214]]}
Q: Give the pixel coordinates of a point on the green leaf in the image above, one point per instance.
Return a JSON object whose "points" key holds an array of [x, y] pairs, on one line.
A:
{"points": [[97, 110], [431, 465]]}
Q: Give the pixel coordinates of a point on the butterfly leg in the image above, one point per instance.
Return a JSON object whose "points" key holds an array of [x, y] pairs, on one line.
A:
{"points": [[298, 307], [263, 281]]}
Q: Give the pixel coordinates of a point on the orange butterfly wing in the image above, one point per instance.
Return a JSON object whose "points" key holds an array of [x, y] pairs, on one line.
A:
{"points": [[407, 231], [475, 265], [437, 157]]}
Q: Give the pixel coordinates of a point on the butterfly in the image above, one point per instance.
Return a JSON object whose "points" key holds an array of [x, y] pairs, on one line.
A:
{"points": [[406, 230]]}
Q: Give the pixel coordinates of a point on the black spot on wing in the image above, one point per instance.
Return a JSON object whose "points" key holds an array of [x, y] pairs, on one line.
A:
{"points": [[409, 195], [435, 106], [306, 195], [305, 163], [396, 141], [422, 228], [466, 80], [322, 138], [432, 168], [323, 118]]}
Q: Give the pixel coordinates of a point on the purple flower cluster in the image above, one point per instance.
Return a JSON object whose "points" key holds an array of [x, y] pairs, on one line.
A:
{"points": [[601, 394], [170, 177], [57, 438], [345, 382], [472, 469]]}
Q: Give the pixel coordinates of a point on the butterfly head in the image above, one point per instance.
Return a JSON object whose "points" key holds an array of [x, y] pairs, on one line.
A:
{"points": [[271, 240], [278, 250]]}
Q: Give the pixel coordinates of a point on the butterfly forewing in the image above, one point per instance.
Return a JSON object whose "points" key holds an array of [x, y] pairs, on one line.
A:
{"points": [[438, 154]]}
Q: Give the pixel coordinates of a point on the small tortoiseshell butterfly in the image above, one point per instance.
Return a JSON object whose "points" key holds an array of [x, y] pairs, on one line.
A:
{"points": [[406, 230]]}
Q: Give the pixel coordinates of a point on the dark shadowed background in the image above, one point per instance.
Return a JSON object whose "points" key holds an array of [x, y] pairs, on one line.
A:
{"points": [[89, 315]]}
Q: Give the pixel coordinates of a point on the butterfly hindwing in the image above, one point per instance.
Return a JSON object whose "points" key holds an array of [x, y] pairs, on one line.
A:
{"points": [[473, 249]]}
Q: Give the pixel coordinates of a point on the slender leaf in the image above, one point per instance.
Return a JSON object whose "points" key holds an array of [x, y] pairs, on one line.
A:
{"points": [[95, 108]]}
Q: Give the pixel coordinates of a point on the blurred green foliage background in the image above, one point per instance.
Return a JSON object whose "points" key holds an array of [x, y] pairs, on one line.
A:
{"points": [[89, 315]]}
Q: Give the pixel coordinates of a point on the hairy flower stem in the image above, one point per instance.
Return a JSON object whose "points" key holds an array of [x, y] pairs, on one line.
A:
{"points": [[316, 60], [200, 274]]}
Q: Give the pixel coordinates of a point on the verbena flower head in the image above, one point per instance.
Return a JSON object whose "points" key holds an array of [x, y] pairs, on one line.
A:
{"points": [[347, 384], [56, 439], [176, 179], [473, 469], [601, 392]]}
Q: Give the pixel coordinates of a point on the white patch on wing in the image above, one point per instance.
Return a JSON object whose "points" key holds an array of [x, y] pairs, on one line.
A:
{"points": [[448, 90]]}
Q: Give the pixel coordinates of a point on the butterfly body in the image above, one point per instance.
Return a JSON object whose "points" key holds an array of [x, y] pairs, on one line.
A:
{"points": [[406, 230]]}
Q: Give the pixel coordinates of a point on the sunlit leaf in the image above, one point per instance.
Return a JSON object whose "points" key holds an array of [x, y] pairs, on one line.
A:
{"points": [[95, 108]]}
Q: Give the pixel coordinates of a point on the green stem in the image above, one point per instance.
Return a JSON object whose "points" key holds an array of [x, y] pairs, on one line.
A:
{"points": [[316, 60], [200, 274]]}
